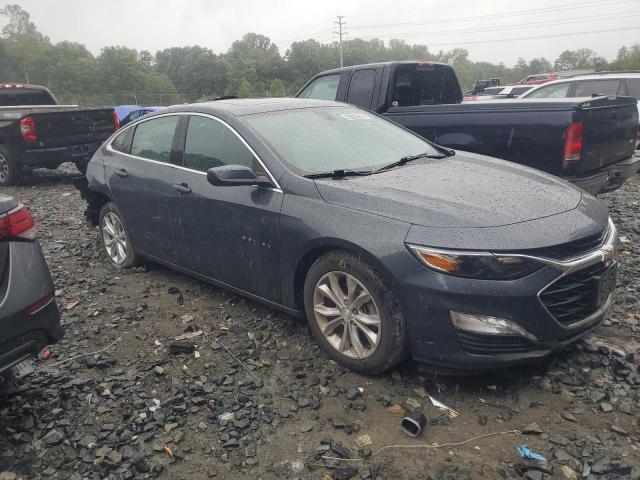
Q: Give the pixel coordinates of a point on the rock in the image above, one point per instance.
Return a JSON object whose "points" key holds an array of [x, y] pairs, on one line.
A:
{"points": [[533, 475], [412, 403], [568, 416], [8, 476], [303, 402], [158, 369], [344, 473], [606, 407], [53, 437], [227, 417], [364, 441], [568, 473], [597, 396], [354, 393], [532, 429], [618, 429], [306, 427], [297, 466]]}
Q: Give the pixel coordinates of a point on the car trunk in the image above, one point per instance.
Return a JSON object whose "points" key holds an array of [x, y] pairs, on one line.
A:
{"points": [[57, 127], [610, 128]]}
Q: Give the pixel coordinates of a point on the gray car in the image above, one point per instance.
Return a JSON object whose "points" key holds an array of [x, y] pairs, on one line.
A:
{"points": [[390, 245], [29, 316]]}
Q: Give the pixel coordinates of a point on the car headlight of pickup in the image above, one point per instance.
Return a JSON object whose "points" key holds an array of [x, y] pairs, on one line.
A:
{"points": [[480, 265]]}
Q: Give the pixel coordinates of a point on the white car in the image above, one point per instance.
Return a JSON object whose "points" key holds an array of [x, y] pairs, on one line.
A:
{"points": [[505, 91], [603, 83]]}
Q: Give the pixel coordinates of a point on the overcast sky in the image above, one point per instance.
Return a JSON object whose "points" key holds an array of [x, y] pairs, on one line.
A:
{"points": [[492, 30]]}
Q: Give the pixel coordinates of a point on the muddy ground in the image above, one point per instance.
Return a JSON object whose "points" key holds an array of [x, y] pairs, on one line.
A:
{"points": [[258, 399]]}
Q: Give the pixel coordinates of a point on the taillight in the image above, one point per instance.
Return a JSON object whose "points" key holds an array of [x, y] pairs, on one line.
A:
{"points": [[572, 145], [40, 304], [17, 225], [116, 122], [28, 129]]}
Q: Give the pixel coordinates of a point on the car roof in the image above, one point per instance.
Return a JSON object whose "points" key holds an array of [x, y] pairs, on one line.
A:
{"points": [[249, 106], [379, 64]]}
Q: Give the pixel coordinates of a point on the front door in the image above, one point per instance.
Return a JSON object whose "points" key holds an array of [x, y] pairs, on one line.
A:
{"points": [[228, 233]]}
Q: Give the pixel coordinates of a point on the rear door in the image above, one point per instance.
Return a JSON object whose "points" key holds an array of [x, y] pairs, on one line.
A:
{"points": [[140, 175], [226, 233], [361, 88]]}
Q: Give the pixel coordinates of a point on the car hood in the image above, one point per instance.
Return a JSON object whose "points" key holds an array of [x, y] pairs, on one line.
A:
{"points": [[466, 190]]}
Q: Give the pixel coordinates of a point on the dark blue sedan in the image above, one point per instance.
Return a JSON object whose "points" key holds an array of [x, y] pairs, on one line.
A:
{"points": [[390, 245]]}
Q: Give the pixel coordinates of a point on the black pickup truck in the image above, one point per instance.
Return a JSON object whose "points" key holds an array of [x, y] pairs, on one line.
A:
{"points": [[37, 132], [588, 141]]}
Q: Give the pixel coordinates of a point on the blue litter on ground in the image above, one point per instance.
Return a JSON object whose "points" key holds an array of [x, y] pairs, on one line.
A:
{"points": [[524, 452]]}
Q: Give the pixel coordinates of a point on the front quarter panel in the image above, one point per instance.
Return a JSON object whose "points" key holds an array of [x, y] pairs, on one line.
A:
{"points": [[308, 223]]}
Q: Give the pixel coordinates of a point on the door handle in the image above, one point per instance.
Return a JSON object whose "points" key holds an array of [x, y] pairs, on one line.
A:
{"points": [[182, 187], [121, 172]]}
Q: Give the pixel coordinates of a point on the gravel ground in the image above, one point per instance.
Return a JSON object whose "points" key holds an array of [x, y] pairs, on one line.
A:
{"points": [[252, 396]]}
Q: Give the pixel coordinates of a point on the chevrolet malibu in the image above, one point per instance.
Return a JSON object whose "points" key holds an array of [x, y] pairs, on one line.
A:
{"points": [[391, 246]]}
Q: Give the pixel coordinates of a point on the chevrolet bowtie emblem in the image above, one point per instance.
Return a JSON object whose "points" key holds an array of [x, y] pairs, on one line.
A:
{"points": [[608, 253]]}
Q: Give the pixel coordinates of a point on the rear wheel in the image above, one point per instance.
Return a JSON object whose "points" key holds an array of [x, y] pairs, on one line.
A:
{"points": [[353, 314], [115, 238], [10, 170]]}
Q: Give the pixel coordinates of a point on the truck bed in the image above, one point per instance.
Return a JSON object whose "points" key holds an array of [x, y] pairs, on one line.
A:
{"points": [[530, 131]]}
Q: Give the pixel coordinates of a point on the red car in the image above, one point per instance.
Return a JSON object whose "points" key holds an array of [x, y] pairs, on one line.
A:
{"points": [[538, 79]]}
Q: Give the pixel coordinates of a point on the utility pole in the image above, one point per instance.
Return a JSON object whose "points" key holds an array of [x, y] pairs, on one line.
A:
{"points": [[340, 23]]}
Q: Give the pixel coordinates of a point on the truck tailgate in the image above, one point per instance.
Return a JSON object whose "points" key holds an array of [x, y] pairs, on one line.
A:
{"points": [[73, 126], [610, 127]]}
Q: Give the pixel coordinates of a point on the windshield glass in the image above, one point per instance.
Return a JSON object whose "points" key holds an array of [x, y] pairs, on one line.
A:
{"points": [[323, 139]]}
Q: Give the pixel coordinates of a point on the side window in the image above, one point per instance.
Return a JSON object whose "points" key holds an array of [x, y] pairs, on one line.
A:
{"points": [[361, 88], [210, 144], [323, 88], [557, 90], [153, 139], [633, 85], [121, 142], [597, 87]]}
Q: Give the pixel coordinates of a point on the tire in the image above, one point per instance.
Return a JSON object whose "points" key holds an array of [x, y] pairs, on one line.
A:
{"points": [[375, 354], [10, 169], [115, 238]]}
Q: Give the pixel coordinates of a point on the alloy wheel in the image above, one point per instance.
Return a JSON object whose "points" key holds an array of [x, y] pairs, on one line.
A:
{"points": [[115, 238], [347, 315], [4, 168]]}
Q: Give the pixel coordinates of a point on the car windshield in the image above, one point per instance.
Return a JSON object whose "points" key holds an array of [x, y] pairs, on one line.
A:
{"points": [[323, 139]]}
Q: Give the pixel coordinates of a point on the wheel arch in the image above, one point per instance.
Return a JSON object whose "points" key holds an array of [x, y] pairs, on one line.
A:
{"points": [[316, 249]]}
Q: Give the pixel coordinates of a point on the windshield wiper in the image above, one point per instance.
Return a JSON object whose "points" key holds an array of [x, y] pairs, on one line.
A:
{"points": [[340, 174], [409, 158]]}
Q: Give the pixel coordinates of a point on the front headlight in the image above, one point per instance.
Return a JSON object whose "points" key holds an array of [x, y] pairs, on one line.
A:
{"points": [[480, 265]]}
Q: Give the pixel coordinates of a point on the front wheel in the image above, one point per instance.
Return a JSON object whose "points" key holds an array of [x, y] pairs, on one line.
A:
{"points": [[10, 170], [115, 238], [353, 314]]}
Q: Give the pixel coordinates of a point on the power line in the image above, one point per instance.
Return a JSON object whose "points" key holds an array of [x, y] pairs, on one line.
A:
{"points": [[340, 23], [544, 23], [497, 15], [538, 37]]}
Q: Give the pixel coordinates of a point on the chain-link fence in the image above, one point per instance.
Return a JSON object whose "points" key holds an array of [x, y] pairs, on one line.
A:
{"points": [[113, 99], [145, 99]]}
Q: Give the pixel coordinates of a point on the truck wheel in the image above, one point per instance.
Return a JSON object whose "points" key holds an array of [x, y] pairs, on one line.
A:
{"points": [[10, 170], [115, 239], [354, 314]]}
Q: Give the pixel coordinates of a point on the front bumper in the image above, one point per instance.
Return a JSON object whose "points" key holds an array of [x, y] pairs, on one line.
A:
{"points": [[429, 298], [610, 178], [53, 157]]}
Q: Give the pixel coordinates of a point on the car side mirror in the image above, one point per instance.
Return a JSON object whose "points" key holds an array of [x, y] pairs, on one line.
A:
{"points": [[236, 175]]}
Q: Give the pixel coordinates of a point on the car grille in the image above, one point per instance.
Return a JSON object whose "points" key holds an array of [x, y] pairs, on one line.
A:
{"points": [[570, 299], [479, 344], [572, 249]]}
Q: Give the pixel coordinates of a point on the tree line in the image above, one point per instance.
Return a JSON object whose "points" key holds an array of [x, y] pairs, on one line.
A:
{"points": [[253, 65]]}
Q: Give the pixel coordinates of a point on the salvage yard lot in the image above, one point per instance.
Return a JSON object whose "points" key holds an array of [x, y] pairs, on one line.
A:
{"points": [[258, 399]]}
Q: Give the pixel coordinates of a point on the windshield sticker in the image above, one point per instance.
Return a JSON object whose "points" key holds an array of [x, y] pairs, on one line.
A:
{"points": [[355, 116]]}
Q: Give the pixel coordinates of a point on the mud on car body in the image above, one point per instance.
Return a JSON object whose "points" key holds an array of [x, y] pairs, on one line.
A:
{"points": [[390, 245]]}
